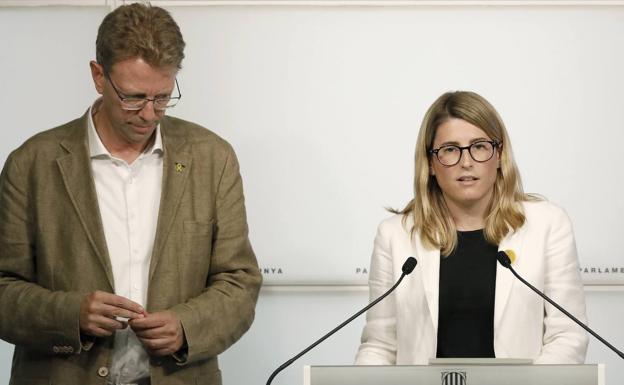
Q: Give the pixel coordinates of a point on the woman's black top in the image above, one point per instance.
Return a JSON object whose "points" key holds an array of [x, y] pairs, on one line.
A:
{"points": [[466, 303]]}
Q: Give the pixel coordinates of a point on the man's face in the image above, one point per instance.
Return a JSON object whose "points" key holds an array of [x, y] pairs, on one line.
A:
{"points": [[131, 78]]}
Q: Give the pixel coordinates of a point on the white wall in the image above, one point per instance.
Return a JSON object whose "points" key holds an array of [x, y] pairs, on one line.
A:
{"points": [[323, 105]]}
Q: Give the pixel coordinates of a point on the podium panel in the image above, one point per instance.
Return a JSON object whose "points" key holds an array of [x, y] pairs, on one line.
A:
{"points": [[456, 375]]}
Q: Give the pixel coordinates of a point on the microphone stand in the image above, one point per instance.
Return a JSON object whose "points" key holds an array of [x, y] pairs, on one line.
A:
{"points": [[407, 268], [507, 263]]}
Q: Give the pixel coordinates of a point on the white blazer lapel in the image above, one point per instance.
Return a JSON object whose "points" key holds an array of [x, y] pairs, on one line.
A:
{"points": [[429, 265], [504, 277]]}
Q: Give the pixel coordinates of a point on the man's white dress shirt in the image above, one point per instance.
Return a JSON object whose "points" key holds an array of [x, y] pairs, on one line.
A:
{"points": [[129, 199]]}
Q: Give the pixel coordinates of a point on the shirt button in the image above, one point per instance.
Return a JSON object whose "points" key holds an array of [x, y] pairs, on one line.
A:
{"points": [[103, 371]]}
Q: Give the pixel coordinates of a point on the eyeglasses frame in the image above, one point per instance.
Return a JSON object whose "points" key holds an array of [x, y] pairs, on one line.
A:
{"points": [[124, 98], [495, 145]]}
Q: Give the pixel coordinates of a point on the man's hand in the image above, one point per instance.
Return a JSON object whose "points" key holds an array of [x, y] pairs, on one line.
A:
{"points": [[99, 310], [160, 333]]}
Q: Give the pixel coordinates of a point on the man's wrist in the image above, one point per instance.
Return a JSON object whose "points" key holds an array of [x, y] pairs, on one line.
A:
{"points": [[181, 356]]}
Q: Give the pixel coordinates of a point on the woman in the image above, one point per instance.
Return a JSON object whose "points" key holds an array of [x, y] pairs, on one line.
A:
{"points": [[459, 302]]}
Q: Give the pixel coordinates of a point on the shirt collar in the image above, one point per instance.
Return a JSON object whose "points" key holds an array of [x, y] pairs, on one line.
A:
{"points": [[97, 148]]}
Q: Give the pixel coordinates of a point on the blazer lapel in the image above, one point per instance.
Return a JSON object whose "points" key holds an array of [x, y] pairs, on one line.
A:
{"points": [[504, 277], [75, 168], [429, 265], [176, 167]]}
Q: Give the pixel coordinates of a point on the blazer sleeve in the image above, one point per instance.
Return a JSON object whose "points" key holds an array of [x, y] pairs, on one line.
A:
{"points": [[379, 337], [32, 316], [563, 340], [224, 311]]}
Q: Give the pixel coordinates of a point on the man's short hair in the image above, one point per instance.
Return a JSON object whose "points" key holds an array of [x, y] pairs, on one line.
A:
{"points": [[139, 31]]}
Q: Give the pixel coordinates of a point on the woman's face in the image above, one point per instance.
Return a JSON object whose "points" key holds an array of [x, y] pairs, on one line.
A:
{"points": [[468, 184]]}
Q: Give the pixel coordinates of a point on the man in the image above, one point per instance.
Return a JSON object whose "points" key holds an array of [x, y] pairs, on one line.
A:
{"points": [[124, 255]]}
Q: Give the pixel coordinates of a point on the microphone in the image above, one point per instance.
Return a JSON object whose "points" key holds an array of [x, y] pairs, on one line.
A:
{"points": [[408, 267], [507, 257]]}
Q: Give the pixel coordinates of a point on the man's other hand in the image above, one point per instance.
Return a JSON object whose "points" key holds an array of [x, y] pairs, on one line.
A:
{"points": [[160, 333]]}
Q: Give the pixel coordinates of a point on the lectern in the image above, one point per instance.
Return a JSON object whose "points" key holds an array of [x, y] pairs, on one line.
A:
{"points": [[457, 374]]}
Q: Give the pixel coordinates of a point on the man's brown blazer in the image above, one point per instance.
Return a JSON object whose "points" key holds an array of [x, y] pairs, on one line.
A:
{"points": [[53, 252]]}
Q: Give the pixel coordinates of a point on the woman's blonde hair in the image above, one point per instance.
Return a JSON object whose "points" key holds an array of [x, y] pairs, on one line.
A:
{"points": [[432, 219]]}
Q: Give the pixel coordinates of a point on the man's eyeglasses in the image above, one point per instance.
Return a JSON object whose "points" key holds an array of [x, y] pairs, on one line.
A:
{"points": [[134, 103], [480, 151]]}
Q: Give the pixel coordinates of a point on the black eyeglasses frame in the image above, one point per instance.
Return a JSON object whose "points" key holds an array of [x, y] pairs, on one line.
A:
{"points": [[495, 146]]}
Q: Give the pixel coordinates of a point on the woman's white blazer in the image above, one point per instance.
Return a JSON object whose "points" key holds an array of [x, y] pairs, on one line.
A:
{"points": [[402, 329]]}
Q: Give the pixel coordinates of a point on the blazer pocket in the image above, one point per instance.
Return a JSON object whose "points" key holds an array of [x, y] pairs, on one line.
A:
{"points": [[195, 227], [197, 248]]}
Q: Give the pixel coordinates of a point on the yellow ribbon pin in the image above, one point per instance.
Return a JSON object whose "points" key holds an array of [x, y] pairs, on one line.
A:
{"points": [[511, 254], [179, 167]]}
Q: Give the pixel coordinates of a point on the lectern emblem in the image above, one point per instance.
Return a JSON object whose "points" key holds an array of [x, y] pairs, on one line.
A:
{"points": [[454, 378]]}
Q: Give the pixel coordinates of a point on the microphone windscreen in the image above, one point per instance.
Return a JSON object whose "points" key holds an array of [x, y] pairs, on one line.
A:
{"points": [[503, 259], [409, 265]]}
